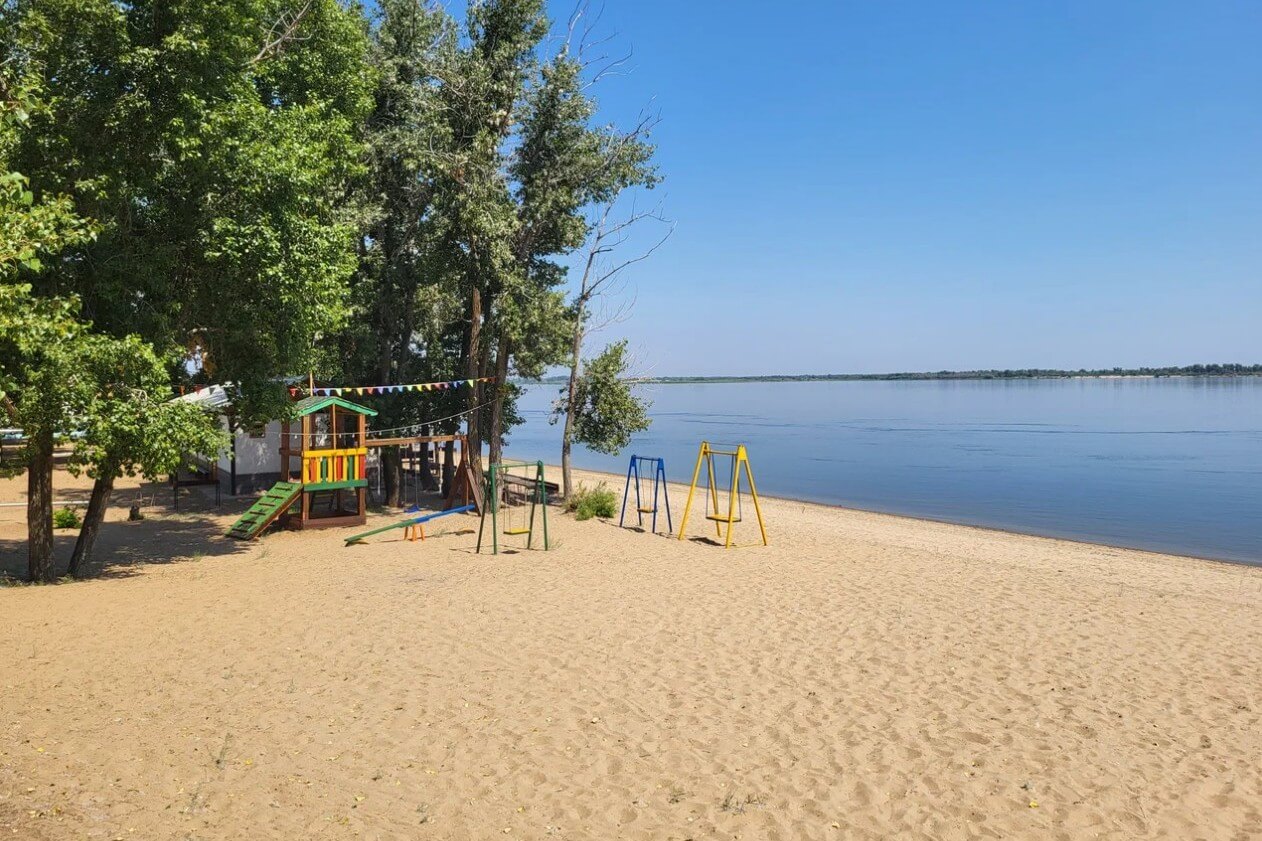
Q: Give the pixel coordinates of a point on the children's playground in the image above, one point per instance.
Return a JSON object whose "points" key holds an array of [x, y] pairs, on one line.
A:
{"points": [[325, 482]]}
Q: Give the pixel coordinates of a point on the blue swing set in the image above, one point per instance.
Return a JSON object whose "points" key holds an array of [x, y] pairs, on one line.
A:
{"points": [[638, 471]]}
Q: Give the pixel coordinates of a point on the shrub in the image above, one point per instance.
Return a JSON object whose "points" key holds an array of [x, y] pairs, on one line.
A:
{"points": [[586, 502], [66, 518]]}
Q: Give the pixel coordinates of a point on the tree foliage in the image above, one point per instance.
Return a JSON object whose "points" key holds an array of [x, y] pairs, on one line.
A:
{"points": [[608, 412], [211, 140], [107, 398], [484, 157]]}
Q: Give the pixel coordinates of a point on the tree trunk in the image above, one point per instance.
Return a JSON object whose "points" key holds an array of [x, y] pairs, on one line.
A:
{"points": [[391, 475], [81, 558], [39, 509], [497, 406], [449, 467], [473, 344], [426, 476], [571, 396]]}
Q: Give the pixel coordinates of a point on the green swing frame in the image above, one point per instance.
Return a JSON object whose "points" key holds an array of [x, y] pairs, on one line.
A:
{"points": [[538, 492]]}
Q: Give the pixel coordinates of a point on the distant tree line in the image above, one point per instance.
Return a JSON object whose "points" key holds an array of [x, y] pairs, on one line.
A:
{"points": [[1228, 369]]}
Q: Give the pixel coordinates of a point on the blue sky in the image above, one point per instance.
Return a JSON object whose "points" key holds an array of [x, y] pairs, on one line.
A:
{"points": [[891, 186]]}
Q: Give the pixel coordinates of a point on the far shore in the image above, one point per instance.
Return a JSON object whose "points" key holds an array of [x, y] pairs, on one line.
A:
{"points": [[1244, 372]]}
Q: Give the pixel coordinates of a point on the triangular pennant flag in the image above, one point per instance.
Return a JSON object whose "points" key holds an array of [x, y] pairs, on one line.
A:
{"points": [[470, 382]]}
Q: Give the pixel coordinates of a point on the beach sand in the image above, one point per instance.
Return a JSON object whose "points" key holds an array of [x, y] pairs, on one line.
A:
{"points": [[865, 676]]}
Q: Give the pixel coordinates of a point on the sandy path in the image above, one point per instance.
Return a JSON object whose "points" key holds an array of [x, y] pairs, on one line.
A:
{"points": [[864, 677]]}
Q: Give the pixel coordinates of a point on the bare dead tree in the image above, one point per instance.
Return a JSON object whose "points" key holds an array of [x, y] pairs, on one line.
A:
{"points": [[602, 275], [582, 42], [283, 31]]}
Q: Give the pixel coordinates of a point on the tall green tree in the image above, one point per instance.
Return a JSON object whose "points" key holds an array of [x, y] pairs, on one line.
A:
{"points": [[400, 305], [213, 141], [33, 332], [526, 161], [107, 400], [485, 86], [128, 425], [36, 335]]}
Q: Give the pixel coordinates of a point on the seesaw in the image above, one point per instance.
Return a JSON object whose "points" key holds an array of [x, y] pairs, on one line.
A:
{"points": [[414, 525]]}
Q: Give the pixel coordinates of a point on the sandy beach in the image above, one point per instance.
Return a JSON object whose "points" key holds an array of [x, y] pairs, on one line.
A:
{"points": [[865, 676]]}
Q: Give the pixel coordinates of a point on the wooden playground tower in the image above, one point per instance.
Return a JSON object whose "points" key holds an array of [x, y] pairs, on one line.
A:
{"points": [[327, 454], [324, 470]]}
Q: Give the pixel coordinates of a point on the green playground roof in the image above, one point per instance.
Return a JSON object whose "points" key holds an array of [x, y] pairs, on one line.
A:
{"points": [[316, 402]]}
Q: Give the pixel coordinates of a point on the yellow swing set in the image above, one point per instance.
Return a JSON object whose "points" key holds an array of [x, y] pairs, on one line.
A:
{"points": [[714, 512]]}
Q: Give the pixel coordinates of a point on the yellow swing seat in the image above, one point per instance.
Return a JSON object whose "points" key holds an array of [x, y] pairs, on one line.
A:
{"points": [[517, 531], [722, 518], [646, 510]]}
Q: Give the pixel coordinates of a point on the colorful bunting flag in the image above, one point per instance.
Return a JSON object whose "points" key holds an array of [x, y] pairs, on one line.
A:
{"points": [[338, 391]]}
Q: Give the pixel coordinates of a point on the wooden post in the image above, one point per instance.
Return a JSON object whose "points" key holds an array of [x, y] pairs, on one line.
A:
{"points": [[363, 467], [284, 447], [305, 513]]}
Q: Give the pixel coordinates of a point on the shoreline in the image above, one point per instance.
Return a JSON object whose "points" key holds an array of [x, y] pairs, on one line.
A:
{"points": [[682, 487]]}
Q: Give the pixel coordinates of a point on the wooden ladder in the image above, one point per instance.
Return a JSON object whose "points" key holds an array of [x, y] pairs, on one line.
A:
{"points": [[265, 511]]}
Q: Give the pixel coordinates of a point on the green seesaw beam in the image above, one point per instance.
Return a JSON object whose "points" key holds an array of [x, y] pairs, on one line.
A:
{"points": [[411, 521]]}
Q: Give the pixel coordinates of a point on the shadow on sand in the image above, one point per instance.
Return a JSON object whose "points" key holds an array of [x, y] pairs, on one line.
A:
{"points": [[162, 537]]}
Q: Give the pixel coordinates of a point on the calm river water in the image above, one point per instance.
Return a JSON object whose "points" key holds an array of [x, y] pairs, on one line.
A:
{"points": [[1173, 465]]}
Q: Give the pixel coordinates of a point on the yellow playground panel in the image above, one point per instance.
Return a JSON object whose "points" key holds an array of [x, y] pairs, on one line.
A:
{"points": [[719, 514]]}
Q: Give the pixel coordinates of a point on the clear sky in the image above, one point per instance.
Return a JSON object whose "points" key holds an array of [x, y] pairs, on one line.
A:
{"points": [[889, 186]]}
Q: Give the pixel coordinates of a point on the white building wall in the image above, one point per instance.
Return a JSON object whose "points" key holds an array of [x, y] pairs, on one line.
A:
{"points": [[257, 458]]}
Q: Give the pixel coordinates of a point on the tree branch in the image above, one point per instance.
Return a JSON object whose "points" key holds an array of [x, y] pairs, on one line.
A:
{"points": [[283, 31], [607, 238]]}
